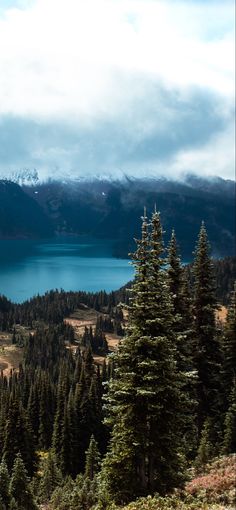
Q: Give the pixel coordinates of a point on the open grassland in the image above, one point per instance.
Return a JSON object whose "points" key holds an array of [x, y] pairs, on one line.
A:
{"points": [[10, 355], [81, 318]]}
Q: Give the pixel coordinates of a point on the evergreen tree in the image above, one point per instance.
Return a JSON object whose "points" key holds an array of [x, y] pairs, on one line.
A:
{"points": [[19, 486], [145, 401], [93, 459], [229, 347], [4, 484], [229, 442], [207, 353], [181, 301], [179, 291], [59, 422], [51, 477], [18, 437], [205, 450]]}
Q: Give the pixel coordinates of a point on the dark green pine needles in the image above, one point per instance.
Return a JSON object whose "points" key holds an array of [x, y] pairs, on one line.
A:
{"points": [[207, 351], [146, 404]]}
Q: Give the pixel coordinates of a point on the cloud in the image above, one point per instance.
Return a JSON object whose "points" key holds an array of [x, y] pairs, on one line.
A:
{"points": [[108, 84]]}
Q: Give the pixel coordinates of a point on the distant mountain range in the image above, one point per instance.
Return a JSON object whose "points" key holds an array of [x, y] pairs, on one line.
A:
{"points": [[112, 210]]}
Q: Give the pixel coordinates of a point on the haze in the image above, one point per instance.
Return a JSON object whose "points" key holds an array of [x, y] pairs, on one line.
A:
{"points": [[106, 87]]}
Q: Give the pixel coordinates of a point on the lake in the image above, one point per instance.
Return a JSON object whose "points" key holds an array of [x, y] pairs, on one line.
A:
{"points": [[29, 267]]}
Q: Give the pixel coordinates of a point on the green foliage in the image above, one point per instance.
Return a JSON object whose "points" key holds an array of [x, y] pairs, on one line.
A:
{"points": [[145, 402], [55, 398], [205, 450], [170, 503], [79, 494], [229, 441], [50, 479], [93, 459], [207, 351], [19, 487], [216, 483], [229, 347], [18, 437], [4, 484]]}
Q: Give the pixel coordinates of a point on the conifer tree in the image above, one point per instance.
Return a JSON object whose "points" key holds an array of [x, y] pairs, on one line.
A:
{"points": [[181, 301], [145, 403], [229, 347], [57, 441], [178, 286], [229, 441], [93, 459], [4, 484], [205, 450], [174, 273], [51, 477], [18, 437], [45, 416], [19, 486], [207, 356]]}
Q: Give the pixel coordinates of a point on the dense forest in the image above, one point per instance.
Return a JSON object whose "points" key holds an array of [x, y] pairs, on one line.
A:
{"points": [[78, 433]]}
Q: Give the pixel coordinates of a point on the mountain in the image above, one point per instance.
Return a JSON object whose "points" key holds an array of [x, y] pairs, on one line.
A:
{"points": [[111, 209], [20, 215]]}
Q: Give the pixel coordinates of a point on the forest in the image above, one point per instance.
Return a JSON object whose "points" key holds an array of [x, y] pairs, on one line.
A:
{"points": [[86, 427]]}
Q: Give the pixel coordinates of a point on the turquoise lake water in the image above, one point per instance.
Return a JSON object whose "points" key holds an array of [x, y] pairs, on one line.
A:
{"points": [[28, 267]]}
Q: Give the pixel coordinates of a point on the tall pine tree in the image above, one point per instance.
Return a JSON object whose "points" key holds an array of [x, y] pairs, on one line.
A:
{"points": [[207, 353], [145, 402], [19, 486]]}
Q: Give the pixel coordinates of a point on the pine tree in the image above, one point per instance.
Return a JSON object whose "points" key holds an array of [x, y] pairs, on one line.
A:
{"points": [[181, 301], [18, 437], [229, 347], [51, 477], [93, 459], [207, 356], [19, 486], [205, 450], [4, 484], [179, 291], [59, 422], [45, 415], [229, 442], [145, 402]]}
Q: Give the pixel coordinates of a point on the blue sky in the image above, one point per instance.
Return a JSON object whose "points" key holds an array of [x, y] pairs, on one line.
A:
{"points": [[141, 87]]}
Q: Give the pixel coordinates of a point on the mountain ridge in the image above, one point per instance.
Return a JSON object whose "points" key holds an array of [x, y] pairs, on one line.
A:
{"points": [[111, 209]]}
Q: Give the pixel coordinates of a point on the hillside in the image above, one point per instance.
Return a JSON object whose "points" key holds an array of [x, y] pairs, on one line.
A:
{"points": [[20, 215], [112, 210]]}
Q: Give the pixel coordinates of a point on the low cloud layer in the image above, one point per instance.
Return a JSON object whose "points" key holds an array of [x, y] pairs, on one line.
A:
{"points": [[142, 87]]}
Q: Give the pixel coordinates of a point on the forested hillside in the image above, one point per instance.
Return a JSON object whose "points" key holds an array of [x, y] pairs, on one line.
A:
{"points": [[79, 429], [111, 210], [20, 215]]}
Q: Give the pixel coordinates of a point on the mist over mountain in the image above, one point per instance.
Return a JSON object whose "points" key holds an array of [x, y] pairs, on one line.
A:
{"points": [[111, 210]]}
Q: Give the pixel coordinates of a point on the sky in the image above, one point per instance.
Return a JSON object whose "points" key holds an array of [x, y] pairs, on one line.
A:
{"points": [[114, 87]]}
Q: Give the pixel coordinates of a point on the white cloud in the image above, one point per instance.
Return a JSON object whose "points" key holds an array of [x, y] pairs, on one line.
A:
{"points": [[85, 63], [63, 57], [216, 157]]}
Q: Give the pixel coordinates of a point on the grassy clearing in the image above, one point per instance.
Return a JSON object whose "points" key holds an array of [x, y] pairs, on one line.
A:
{"points": [[81, 318], [10, 355], [88, 317]]}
